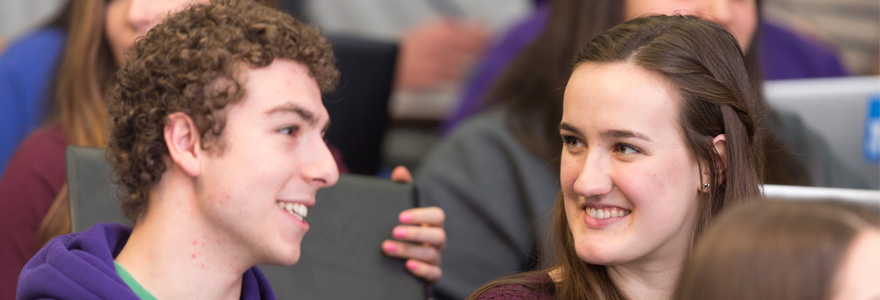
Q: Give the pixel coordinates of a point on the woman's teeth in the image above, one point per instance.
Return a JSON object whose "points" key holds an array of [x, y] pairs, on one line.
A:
{"points": [[298, 210], [604, 213]]}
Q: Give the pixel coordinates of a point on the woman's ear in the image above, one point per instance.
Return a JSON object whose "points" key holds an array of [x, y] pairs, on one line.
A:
{"points": [[182, 140], [720, 144]]}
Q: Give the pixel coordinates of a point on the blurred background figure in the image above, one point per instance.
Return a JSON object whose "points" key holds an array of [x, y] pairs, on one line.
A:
{"points": [[439, 39], [851, 27], [19, 16], [820, 250], [785, 54], [91, 40], [385, 49], [439, 42], [27, 61]]}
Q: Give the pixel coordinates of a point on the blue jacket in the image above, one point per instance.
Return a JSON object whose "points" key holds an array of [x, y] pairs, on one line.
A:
{"points": [[27, 70], [80, 266]]}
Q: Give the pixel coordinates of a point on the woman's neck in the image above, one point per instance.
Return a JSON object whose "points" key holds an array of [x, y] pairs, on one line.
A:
{"points": [[646, 281]]}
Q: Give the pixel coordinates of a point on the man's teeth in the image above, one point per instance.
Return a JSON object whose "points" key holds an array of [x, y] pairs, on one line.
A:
{"points": [[606, 213], [298, 210]]}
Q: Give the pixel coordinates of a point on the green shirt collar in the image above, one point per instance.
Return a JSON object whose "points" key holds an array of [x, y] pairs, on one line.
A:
{"points": [[136, 287]]}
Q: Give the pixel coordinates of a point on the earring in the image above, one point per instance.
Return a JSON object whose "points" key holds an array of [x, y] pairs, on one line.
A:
{"points": [[705, 185]]}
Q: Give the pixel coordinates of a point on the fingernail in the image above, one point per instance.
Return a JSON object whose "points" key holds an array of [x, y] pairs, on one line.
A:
{"points": [[411, 265], [390, 247], [405, 217], [399, 233]]}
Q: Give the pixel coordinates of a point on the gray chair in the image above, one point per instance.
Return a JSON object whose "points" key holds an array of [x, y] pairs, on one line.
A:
{"points": [[341, 256]]}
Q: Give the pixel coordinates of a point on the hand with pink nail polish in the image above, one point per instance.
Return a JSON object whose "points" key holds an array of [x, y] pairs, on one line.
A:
{"points": [[420, 239]]}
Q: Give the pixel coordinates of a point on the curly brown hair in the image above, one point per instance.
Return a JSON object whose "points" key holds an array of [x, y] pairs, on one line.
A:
{"points": [[189, 63]]}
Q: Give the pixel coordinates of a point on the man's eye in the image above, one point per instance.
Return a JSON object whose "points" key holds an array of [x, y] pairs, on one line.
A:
{"points": [[290, 130]]}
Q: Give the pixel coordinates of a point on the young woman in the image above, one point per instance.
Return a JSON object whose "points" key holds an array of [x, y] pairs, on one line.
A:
{"points": [[783, 250], [659, 132]]}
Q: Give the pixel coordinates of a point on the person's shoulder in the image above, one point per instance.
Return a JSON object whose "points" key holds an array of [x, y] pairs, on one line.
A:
{"points": [[790, 55], [523, 286], [480, 139], [40, 42], [513, 292], [77, 266], [110, 236], [48, 136], [93, 248], [41, 152], [487, 129]]}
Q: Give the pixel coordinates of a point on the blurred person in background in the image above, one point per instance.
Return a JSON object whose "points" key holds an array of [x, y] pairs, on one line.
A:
{"points": [[787, 250], [27, 68], [783, 53], [435, 43]]}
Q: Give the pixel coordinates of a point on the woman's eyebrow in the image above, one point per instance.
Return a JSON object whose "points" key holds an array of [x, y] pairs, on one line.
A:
{"points": [[610, 133], [566, 126], [620, 133]]}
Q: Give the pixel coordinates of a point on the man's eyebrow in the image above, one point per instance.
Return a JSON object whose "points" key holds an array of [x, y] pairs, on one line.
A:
{"points": [[303, 113]]}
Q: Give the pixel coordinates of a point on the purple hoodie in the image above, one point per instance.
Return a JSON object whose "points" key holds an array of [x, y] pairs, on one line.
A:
{"points": [[80, 266]]}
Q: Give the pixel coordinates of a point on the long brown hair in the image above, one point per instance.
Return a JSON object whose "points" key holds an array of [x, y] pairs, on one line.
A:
{"points": [[718, 96], [774, 250], [86, 66], [531, 87]]}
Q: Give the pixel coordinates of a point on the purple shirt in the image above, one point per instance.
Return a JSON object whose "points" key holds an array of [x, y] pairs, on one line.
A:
{"points": [[495, 61], [785, 55]]}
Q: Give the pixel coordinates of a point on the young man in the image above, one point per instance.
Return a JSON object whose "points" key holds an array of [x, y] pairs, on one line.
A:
{"points": [[216, 137]]}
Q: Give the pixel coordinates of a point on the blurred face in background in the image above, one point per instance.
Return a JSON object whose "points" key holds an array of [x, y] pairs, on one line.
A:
{"points": [[740, 17], [858, 276], [125, 20]]}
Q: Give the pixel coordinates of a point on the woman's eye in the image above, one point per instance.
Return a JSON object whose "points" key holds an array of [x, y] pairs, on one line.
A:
{"points": [[571, 141], [626, 149]]}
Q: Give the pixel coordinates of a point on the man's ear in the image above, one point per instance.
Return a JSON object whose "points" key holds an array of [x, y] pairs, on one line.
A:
{"points": [[720, 144], [182, 140]]}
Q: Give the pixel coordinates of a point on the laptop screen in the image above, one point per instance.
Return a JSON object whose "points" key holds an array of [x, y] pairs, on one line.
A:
{"points": [[844, 111]]}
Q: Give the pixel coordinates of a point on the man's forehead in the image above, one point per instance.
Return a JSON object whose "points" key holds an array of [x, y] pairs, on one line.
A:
{"points": [[283, 86], [314, 117]]}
